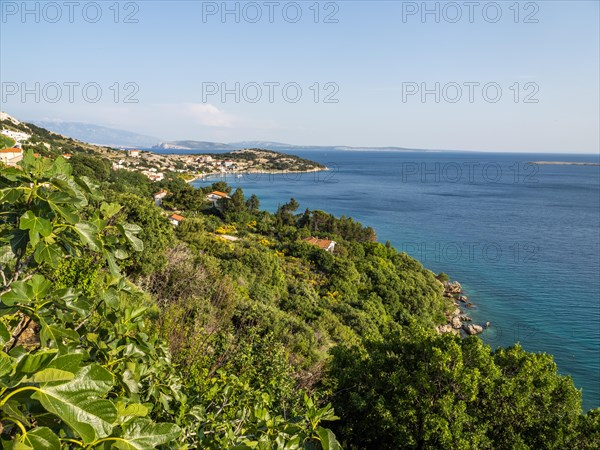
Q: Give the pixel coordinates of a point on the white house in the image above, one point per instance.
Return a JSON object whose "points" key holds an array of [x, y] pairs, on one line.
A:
{"points": [[215, 196], [176, 219], [158, 197], [324, 244], [135, 153], [11, 156]]}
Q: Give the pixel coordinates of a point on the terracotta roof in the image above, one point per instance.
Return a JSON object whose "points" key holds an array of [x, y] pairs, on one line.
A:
{"points": [[11, 150], [219, 193], [176, 217], [321, 243], [162, 191]]}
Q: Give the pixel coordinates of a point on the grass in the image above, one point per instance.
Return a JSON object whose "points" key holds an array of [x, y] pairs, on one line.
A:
{"points": [[6, 142]]}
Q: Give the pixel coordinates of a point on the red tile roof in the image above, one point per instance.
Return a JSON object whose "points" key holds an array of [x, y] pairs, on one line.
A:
{"points": [[321, 243], [219, 193], [176, 217], [11, 150]]}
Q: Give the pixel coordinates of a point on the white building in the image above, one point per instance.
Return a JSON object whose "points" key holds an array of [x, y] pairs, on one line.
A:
{"points": [[324, 244], [158, 197], [11, 156], [176, 219], [16, 135], [215, 196]]}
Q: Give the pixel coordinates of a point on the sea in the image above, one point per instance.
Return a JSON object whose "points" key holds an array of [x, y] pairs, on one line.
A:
{"points": [[523, 239]]}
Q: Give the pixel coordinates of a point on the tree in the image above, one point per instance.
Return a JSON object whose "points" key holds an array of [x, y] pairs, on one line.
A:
{"points": [[131, 182], [156, 233], [55, 387], [93, 167], [417, 389], [253, 204], [285, 213], [237, 203]]}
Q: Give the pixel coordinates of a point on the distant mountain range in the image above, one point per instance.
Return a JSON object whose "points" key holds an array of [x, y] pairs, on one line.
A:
{"points": [[96, 134], [266, 145]]}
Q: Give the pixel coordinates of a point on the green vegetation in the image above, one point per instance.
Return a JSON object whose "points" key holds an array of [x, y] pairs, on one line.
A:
{"points": [[6, 142], [230, 331]]}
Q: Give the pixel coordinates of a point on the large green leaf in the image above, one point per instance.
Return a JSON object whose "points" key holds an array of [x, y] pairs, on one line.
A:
{"points": [[32, 362], [18, 241], [108, 210], [143, 434], [63, 204], [11, 195], [36, 226], [79, 402], [69, 186], [4, 334], [130, 231], [88, 234], [39, 287], [6, 364], [49, 375], [56, 333], [70, 362], [328, 440], [49, 253], [40, 439], [61, 166], [18, 294], [90, 187]]}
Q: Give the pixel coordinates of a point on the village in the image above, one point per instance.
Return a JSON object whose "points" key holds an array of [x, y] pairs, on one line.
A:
{"points": [[156, 166], [190, 167]]}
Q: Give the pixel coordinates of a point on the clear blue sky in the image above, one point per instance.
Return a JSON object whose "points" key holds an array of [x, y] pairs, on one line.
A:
{"points": [[374, 55]]}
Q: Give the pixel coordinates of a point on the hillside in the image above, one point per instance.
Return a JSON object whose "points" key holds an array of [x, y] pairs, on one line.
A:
{"points": [[153, 165], [238, 328]]}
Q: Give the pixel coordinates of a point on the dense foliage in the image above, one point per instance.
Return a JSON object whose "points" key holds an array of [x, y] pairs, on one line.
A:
{"points": [[80, 365], [230, 331]]}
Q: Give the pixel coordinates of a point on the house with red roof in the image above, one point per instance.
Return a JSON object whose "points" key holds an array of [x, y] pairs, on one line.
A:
{"points": [[215, 196], [11, 156], [158, 197], [176, 219], [324, 244]]}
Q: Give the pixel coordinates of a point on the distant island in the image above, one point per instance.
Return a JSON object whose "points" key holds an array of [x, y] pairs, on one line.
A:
{"points": [[564, 163]]}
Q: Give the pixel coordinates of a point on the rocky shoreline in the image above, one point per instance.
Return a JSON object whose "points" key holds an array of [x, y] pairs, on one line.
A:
{"points": [[457, 322]]}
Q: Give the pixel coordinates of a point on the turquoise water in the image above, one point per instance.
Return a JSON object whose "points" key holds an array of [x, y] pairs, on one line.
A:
{"points": [[523, 240]]}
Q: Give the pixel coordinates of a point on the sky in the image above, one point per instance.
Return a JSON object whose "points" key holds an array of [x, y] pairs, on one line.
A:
{"points": [[487, 76]]}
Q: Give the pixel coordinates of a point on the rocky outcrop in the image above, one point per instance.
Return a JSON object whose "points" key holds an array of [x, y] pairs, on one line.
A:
{"points": [[472, 330], [442, 329], [455, 320], [452, 287]]}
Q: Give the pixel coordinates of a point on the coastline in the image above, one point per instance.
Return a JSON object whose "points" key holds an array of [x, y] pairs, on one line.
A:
{"points": [[255, 171], [457, 321]]}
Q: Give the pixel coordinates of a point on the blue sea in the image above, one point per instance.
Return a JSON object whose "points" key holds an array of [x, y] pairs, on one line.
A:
{"points": [[522, 239]]}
